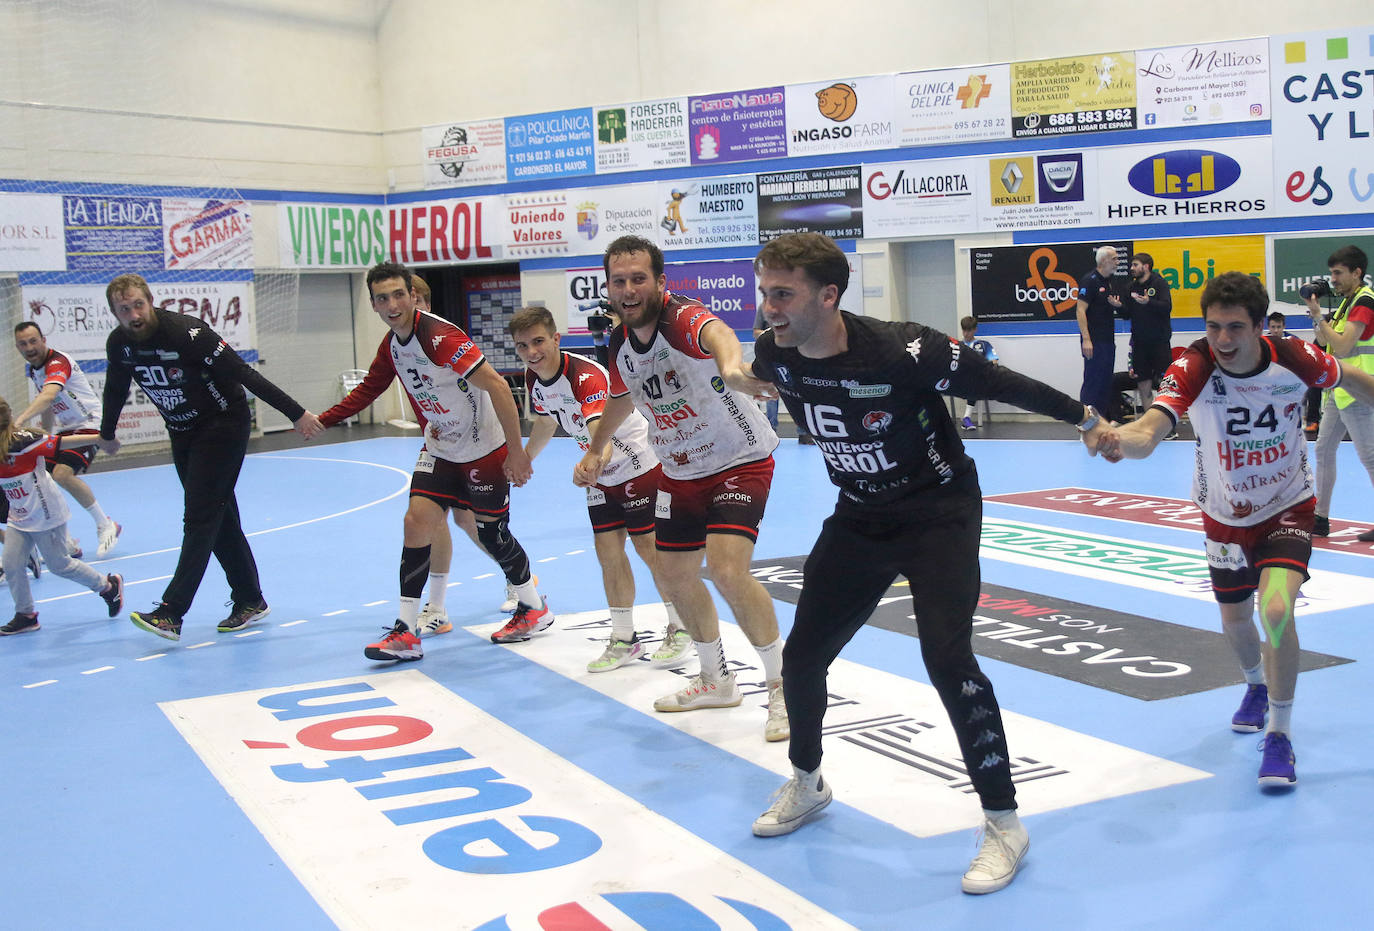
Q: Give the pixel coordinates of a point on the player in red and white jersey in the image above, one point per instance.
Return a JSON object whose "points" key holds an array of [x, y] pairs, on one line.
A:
{"points": [[473, 451], [65, 401], [1243, 393], [570, 391], [671, 358], [38, 518]]}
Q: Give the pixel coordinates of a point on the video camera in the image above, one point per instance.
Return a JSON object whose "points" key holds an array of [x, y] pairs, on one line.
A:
{"points": [[1318, 288]]}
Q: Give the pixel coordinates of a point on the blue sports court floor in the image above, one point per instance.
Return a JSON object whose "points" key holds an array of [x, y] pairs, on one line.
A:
{"points": [[276, 779]]}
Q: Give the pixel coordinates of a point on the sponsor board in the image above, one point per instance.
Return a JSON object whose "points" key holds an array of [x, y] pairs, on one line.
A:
{"points": [[920, 198], [1322, 89], [737, 126], [330, 235], [1140, 657], [556, 144], [1150, 566], [1300, 261], [708, 212], [381, 792], [447, 231], [953, 105], [537, 224], [891, 752], [458, 154], [584, 289], [1211, 82], [1032, 191], [812, 200], [1166, 512], [598, 216], [1061, 96], [643, 136], [1032, 283], [726, 288], [201, 233], [1211, 179], [1188, 264], [113, 234], [32, 238], [852, 115]]}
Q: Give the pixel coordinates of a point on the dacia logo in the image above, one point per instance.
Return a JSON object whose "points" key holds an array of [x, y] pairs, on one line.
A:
{"points": [[1184, 173]]}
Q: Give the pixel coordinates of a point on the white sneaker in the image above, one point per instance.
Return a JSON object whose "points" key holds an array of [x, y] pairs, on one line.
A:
{"points": [[108, 534], [998, 858], [74, 548], [701, 693], [675, 650], [512, 600], [777, 727], [431, 621], [617, 654], [800, 797]]}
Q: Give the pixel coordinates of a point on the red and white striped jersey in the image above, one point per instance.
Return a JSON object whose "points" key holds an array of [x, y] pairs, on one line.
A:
{"points": [[576, 398], [34, 499], [1251, 454], [76, 404]]}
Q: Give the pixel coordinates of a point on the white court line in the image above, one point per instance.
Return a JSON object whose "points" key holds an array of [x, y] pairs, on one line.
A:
{"points": [[547, 559], [574, 552], [450, 585], [140, 659], [249, 633], [197, 646], [81, 594], [91, 672], [335, 613], [373, 604], [293, 623], [34, 685], [484, 576]]}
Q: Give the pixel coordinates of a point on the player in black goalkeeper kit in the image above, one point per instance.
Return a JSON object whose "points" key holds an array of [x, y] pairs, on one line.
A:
{"points": [[870, 392], [196, 381]]}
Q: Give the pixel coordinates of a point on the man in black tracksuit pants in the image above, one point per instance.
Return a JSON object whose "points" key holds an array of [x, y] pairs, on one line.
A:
{"points": [[196, 381], [909, 504]]}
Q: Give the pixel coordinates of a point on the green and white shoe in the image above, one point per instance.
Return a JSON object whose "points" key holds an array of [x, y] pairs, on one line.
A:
{"points": [[617, 654]]}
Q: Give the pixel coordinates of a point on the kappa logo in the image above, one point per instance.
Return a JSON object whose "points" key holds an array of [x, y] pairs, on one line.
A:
{"points": [[913, 349], [438, 338], [991, 760], [970, 688], [193, 332], [583, 377]]}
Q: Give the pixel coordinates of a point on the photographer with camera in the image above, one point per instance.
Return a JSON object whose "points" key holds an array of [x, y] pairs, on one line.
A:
{"points": [[1349, 335]]}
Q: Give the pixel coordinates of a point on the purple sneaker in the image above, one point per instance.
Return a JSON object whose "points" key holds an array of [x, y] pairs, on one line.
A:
{"points": [[1277, 766], [1249, 717]]}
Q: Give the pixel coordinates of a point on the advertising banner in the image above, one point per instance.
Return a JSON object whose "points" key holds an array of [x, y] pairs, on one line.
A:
{"points": [[815, 200], [1213, 179], [1033, 283], [1215, 82], [1323, 122], [447, 231], [583, 289], [708, 213], [648, 135], [840, 116], [1300, 261], [923, 198], [1059, 96], [537, 224], [457, 154], [556, 144], [32, 238], [200, 233], [113, 234], [1188, 264], [600, 215], [331, 235], [738, 126], [726, 288], [1057, 189], [953, 105]]}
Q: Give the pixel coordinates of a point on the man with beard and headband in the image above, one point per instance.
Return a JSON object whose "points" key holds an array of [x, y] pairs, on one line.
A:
{"points": [[670, 359], [196, 381], [909, 504]]}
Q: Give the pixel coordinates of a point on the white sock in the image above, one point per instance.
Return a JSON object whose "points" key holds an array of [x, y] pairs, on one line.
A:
{"points": [[712, 658], [622, 624], [1255, 674], [1004, 820], [97, 512], [529, 595], [674, 622], [410, 610], [1280, 717], [771, 655], [438, 589]]}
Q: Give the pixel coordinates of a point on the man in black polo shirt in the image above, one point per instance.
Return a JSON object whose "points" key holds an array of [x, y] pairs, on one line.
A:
{"points": [[1097, 330], [196, 382], [1148, 306]]}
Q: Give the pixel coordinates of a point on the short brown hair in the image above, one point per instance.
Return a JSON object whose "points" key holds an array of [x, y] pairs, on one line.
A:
{"points": [[129, 282], [527, 318], [817, 256], [421, 287], [968, 323], [627, 245], [1236, 289]]}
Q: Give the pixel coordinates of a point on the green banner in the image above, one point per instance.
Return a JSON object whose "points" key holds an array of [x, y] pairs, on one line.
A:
{"points": [[1298, 261], [331, 235]]}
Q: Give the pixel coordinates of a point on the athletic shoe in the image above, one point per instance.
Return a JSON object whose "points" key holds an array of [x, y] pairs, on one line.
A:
{"points": [[114, 593], [777, 727], [398, 644], [1249, 717], [513, 600], [244, 614], [617, 654], [22, 624], [1310, 431], [800, 797], [1321, 526], [34, 566], [968, 424], [1276, 767], [108, 535], [701, 693], [525, 624], [675, 650], [999, 857], [432, 621], [1366, 537], [160, 621], [74, 549]]}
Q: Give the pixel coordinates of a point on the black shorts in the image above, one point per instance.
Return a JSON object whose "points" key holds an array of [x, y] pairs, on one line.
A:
{"points": [[78, 460], [479, 486], [1236, 555], [727, 502], [628, 506], [1150, 359]]}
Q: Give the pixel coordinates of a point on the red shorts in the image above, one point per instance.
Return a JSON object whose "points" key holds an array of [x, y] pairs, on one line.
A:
{"points": [[1235, 555], [479, 486], [727, 502], [629, 505]]}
